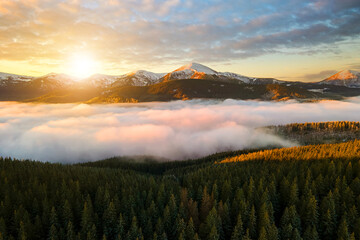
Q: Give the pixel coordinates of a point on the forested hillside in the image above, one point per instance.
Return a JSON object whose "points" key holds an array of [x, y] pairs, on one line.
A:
{"points": [[316, 197], [318, 132], [178, 90]]}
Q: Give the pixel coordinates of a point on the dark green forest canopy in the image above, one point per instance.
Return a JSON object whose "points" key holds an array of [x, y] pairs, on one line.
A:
{"points": [[293, 199], [318, 132]]}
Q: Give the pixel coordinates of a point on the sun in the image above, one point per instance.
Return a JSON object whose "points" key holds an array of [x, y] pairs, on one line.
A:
{"points": [[82, 65]]}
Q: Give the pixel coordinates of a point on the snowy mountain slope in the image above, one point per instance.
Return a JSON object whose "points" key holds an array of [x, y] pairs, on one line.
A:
{"points": [[199, 71], [9, 79], [99, 80], [53, 81], [196, 67], [347, 78], [4, 76], [138, 78]]}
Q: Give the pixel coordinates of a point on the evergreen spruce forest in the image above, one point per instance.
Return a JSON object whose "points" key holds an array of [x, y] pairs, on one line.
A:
{"points": [[318, 132], [309, 192]]}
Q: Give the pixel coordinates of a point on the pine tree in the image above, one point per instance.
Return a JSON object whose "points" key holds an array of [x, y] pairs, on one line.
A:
{"points": [[287, 231], [343, 232], [87, 219], [252, 222], [134, 231], [54, 219], [53, 233], [70, 234], [67, 214], [181, 236], [311, 233], [121, 227], [310, 212], [110, 221], [295, 235], [193, 212], [328, 217], [22, 232], [213, 235], [262, 234], [190, 230], [247, 235], [181, 226], [206, 205], [91, 234], [238, 230]]}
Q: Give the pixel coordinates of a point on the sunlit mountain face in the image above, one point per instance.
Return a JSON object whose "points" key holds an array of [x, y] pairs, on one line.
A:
{"points": [[348, 78], [179, 120]]}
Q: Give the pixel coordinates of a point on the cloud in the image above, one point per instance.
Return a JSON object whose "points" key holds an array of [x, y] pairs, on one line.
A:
{"points": [[153, 32], [175, 130]]}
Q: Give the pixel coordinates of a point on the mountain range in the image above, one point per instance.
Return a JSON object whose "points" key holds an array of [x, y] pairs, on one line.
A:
{"points": [[187, 82]]}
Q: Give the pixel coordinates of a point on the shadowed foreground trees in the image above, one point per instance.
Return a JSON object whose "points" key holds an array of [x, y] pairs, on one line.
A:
{"points": [[294, 199]]}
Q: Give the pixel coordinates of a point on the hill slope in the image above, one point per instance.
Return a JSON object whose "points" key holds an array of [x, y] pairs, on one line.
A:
{"points": [[206, 89], [287, 198], [318, 132], [312, 152]]}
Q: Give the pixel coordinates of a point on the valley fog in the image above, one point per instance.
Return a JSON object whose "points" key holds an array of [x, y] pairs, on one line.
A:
{"points": [[176, 130]]}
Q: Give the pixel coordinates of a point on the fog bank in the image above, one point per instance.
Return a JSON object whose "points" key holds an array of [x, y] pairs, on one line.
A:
{"points": [[175, 130]]}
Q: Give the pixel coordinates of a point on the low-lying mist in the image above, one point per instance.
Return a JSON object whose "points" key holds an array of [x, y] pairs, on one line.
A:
{"points": [[176, 130]]}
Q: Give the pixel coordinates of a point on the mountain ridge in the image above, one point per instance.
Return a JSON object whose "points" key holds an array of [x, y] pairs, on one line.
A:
{"points": [[193, 70], [347, 78], [193, 80]]}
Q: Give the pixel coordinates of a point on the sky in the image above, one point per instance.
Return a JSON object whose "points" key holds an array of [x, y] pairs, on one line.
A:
{"points": [[290, 40]]}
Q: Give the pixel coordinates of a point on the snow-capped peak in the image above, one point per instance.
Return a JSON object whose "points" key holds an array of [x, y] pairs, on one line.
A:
{"points": [[56, 76], [196, 67], [344, 75], [143, 73], [9, 76], [347, 78]]}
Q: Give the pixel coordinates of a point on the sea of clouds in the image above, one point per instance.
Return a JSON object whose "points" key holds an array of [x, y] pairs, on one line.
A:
{"points": [[175, 130]]}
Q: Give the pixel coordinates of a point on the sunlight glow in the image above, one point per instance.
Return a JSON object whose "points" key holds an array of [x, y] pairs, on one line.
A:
{"points": [[82, 65]]}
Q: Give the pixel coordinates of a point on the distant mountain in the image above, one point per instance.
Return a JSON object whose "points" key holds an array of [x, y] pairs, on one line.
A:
{"points": [[138, 78], [190, 81], [99, 81], [7, 79], [198, 71], [55, 81], [347, 78], [17, 87], [52, 81]]}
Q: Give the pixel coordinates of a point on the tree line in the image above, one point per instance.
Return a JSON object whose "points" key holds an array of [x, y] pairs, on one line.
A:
{"points": [[318, 132]]}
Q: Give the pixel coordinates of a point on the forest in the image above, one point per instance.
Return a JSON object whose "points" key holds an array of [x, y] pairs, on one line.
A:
{"points": [[310, 192], [317, 132]]}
